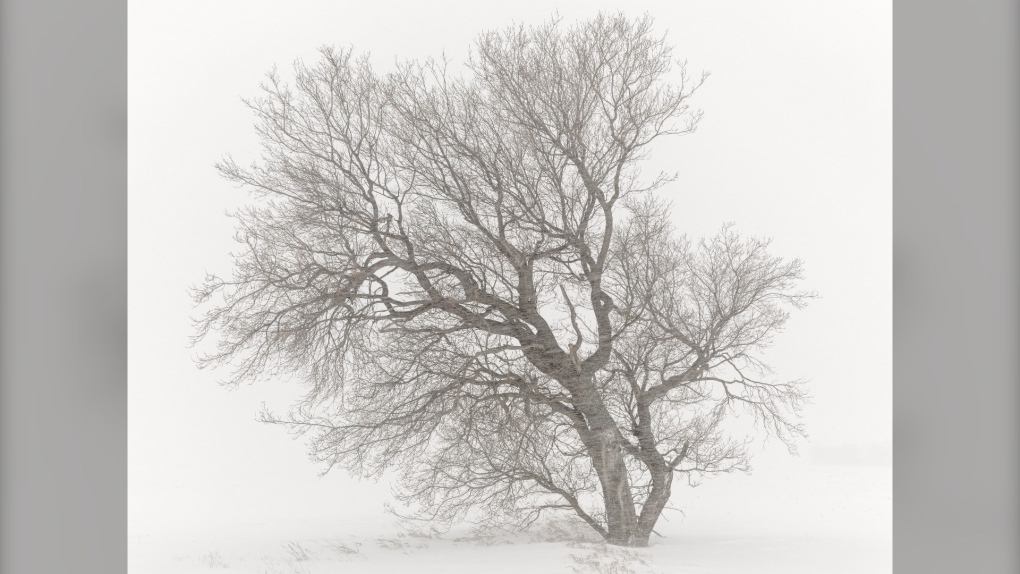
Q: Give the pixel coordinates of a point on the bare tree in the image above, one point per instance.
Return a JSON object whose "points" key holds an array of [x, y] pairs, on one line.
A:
{"points": [[481, 291]]}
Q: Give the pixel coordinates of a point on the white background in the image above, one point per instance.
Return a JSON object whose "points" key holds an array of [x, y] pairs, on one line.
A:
{"points": [[796, 144]]}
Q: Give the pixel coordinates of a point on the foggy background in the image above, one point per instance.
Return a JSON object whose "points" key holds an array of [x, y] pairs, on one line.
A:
{"points": [[796, 144]]}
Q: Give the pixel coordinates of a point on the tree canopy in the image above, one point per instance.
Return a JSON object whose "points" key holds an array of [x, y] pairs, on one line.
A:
{"points": [[482, 291]]}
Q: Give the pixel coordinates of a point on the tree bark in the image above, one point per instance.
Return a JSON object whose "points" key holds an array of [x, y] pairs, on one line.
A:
{"points": [[602, 442], [662, 483], [621, 517], [624, 526]]}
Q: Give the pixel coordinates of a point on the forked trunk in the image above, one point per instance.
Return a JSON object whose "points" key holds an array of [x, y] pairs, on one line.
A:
{"points": [[621, 517], [624, 526]]}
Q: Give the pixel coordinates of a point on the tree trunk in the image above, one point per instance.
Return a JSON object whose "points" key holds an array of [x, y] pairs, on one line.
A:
{"points": [[662, 482], [625, 527], [601, 437], [608, 460]]}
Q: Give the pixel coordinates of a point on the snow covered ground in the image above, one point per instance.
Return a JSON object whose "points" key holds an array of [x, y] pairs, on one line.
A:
{"points": [[788, 517]]}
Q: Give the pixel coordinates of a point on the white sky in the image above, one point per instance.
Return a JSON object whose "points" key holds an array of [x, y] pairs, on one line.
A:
{"points": [[796, 144]]}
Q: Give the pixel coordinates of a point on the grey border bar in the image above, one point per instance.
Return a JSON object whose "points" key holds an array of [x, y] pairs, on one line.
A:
{"points": [[956, 288], [63, 318]]}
